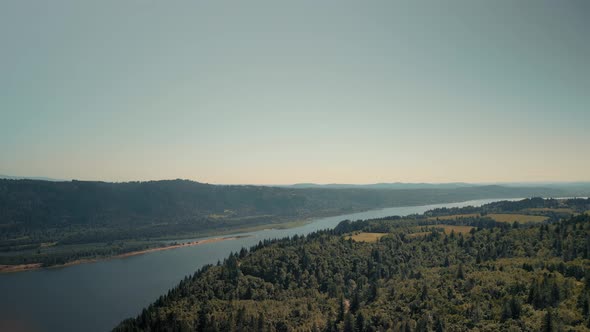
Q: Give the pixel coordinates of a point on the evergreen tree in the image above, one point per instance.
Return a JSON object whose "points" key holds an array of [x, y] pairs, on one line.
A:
{"points": [[548, 323], [348, 322], [460, 273], [360, 322]]}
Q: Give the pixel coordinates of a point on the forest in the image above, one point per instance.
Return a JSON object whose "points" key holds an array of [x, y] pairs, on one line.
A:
{"points": [[445, 270], [56, 222]]}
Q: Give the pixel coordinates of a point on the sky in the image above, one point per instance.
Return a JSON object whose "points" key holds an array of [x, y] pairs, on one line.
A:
{"points": [[279, 92]]}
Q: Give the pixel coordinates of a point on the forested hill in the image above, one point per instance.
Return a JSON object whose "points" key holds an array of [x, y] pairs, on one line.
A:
{"points": [[34, 203], [57, 222], [432, 272]]}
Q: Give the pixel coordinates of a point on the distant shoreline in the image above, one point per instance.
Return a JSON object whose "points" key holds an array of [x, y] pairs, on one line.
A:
{"points": [[37, 266]]}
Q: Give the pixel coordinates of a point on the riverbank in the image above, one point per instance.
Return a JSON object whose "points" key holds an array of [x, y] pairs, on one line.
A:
{"points": [[219, 236], [36, 266], [61, 253], [19, 268], [284, 225]]}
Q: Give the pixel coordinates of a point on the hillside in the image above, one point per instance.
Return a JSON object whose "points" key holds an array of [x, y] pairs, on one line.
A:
{"points": [[418, 274], [56, 222], [395, 185]]}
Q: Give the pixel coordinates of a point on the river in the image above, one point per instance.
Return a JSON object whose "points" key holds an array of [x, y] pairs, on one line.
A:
{"points": [[94, 297]]}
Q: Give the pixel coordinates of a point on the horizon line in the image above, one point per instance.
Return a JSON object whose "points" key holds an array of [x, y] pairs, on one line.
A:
{"points": [[50, 179]]}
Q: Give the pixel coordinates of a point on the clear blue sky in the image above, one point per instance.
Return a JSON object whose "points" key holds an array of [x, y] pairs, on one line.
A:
{"points": [[296, 91]]}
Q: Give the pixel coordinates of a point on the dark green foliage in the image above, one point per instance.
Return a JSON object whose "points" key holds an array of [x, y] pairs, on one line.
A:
{"points": [[548, 322], [400, 283], [544, 292], [512, 309]]}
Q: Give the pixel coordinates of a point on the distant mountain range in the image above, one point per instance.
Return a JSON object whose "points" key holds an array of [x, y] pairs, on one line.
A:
{"points": [[11, 177], [571, 187], [578, 188], [394, 185]]}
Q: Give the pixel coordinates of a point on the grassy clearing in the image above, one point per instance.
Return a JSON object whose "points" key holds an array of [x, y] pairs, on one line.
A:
{"points": [[451, 228], [558, 210], [447, 229], [455, 216], [512, 217], [499, 217], [366, 237], [417, 234]]}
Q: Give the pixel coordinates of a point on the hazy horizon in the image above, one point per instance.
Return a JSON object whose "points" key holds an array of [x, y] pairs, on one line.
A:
{"points": [[277, 93], [525, 183]]}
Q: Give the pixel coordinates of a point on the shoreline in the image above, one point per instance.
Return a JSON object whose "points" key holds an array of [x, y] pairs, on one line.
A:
{"points": [[38, 266], [283, 225]]}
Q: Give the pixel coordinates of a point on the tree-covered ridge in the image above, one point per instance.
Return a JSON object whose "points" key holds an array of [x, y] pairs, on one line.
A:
{"points": [[554, 208], [56, 222], [497, 277]]}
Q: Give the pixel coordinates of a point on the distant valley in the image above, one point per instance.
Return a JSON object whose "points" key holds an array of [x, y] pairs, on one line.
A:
{"points": [[52, 223]]}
